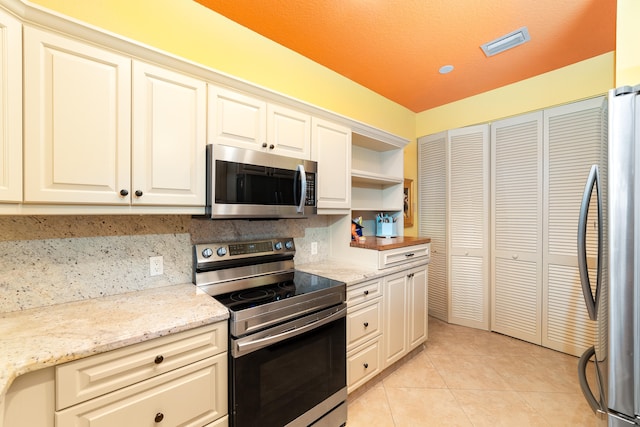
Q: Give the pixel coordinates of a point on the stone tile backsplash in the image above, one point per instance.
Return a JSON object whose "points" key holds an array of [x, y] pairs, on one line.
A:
{"points": [[46, 260]]}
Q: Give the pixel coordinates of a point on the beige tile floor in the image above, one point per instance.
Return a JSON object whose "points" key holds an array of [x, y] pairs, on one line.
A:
{"points": [[467, 377]]}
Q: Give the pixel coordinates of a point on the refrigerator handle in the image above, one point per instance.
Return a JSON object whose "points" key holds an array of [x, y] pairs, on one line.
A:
{"points": [[589, 299], [595, 405]]}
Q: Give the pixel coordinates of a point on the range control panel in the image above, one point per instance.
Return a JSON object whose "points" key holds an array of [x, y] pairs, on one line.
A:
{"points": [[209, 253]]}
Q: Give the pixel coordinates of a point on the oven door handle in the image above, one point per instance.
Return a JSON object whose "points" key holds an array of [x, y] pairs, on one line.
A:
{"points": [[243, 348]]}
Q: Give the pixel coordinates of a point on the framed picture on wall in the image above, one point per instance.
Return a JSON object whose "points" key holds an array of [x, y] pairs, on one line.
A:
{"points": [[408, 203]]}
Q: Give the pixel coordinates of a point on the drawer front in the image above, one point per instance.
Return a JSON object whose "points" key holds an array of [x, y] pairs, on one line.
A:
{"points": [[192, 396], [402, 255], [363, 322], [363, 364], [365, 291], [93, 376]]}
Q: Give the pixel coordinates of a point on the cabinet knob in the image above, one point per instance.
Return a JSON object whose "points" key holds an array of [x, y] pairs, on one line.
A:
{"points": [[138, 193], [124, 192], [159, 417], [514, 256], [366, 365], [271, 147], [366, 292], [409, 255], [366, 324], [159, 359], [264, 145]]}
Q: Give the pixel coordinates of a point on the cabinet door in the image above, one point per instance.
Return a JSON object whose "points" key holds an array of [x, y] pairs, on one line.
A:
{"points": [[331, 148], [10, 109], [236, 119], [77, 124], [467, 231], [169, 137], [517, 225], [417, 301], [432, 216], [395, 317], [289, 132], [572, 138]]}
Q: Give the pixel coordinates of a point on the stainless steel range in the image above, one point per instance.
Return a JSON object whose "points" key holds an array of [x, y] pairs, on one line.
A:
{"points": [[287, 328]]}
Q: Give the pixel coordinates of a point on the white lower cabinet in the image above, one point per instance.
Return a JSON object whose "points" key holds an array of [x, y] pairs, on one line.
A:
{"points": [[405, 312], [364, 329], [386, 319], [177, 380]]}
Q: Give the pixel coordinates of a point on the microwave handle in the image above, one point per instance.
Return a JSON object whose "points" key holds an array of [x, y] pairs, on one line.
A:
{"points": [[303, 189]]}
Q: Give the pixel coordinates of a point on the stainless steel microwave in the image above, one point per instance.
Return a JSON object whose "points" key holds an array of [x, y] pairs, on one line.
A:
{"points": [[245, 183]]}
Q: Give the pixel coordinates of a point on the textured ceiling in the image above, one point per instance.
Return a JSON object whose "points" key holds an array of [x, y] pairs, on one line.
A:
{"points": [[396, 47]]}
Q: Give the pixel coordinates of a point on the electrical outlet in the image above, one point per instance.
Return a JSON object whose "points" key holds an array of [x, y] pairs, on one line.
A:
{"points": [[155, 266], [314, 248]]}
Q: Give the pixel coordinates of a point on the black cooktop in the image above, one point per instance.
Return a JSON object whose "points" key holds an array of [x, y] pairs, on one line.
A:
{"points": [[296, 283]]}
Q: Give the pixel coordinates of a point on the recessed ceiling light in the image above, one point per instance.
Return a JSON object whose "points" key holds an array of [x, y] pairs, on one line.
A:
{"points": [[508, 41], [445, 69]]}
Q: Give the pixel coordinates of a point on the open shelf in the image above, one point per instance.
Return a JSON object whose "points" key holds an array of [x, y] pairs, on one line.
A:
{"points": [[373, 178]]}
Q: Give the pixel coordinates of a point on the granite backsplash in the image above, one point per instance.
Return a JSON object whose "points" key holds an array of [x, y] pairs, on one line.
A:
{"points": [[46, 260]]}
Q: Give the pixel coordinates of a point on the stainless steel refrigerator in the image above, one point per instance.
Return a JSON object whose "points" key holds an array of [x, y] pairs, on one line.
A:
{"points": [[613, 301]]}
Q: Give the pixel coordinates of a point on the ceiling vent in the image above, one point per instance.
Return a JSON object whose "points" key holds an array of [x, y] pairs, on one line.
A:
{"points": [[513, 39]]}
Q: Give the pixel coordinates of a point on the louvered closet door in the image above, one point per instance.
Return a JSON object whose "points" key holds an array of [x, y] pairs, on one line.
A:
{"points": [[432, 216], [517, 225], [467, 234], [572, 139]]}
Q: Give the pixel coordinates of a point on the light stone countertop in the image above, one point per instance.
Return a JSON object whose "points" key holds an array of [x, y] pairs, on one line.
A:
{"points": [[41, 337], [352, 273]]}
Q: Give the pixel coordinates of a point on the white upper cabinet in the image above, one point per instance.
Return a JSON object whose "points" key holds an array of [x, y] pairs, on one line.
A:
{"points": [[517, 225], [468, 228], [10, 109], [85, 145], [331, 145], [289, 131], [236, 119], [169, 137], [241, 120], [77, 121]]}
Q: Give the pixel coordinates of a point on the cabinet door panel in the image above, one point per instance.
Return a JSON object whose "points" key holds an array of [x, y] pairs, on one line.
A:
{"points": [[468, 228], [289, 131], [169, 137], [432, 216], [572, 140], [236, 119], [517, 226], [10, 109], [331, 146], [77, 121], [516, 300], [417, 300], [395, 317]]}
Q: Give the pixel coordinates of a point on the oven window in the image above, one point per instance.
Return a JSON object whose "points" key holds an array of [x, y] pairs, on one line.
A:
{"points": [[275, 385]]}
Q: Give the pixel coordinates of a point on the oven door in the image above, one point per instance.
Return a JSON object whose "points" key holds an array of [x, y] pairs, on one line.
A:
{"points": [[294, 381]]}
